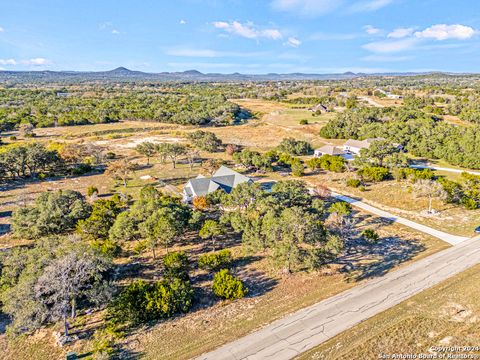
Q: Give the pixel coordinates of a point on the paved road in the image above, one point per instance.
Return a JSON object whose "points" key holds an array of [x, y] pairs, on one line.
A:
{"points": [[303, 330], [451, 239], [418, 166]]}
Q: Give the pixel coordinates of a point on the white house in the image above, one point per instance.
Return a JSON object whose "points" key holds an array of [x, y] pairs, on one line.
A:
{"points": [[224, 179], [329, 150]]}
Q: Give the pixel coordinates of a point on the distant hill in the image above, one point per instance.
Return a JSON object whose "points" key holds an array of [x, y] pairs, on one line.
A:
{"points": [[124, 74]]}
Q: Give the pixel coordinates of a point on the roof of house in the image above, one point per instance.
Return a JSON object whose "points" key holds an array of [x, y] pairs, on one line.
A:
{"points": [[330, 150], [224, 178], [361, 144]]}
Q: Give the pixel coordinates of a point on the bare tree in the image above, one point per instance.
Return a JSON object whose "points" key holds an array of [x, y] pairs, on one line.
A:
{"points": [[120, 170], [68, 279], [430, 189]]}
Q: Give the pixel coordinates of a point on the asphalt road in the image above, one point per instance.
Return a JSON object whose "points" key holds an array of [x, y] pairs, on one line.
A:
{"points": [[449, 238], [303, 330], [457, 171]]}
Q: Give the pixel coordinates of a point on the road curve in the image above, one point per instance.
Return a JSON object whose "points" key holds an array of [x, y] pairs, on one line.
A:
{"points": [[449, 238], [309, 327], [431, 167]]}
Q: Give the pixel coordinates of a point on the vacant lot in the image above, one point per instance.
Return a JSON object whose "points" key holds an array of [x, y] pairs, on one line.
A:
{"points": [[397, 197], [445, 315]]}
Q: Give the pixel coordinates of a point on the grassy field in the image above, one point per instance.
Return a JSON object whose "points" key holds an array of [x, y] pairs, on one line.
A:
{"points": [[445, 315]]}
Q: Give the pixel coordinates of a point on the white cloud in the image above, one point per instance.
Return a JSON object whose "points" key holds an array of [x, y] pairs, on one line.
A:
{"points": [[307, 7], [444, 32], [391, 46], [115, 32], [2, 29], [182, 22], [36, 61], [8, 62], [370, 5], [294, 42], [248, 30], [399, 33], [371, 30]]}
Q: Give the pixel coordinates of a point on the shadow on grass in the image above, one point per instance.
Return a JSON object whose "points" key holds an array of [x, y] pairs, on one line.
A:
{"points": [[365, 260]]}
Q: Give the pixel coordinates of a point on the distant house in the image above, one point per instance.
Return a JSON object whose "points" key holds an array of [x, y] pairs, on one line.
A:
{"points": [[224, 179], [329, 150], [389, 95], [319, 107], [62, 94], [354, 146]]}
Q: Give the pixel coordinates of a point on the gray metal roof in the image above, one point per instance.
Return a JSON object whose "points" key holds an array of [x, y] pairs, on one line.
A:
{"points": [[224, 178]]}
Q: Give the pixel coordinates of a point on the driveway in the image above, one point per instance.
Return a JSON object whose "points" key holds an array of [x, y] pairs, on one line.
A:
{"points": [[457, 171], [449, 238], [309, 327]]}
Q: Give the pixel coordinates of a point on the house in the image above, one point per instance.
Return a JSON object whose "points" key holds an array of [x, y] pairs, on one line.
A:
{"points": [[328, 150], [388, 95], [223, 179], [319, 108], [355, 146]]}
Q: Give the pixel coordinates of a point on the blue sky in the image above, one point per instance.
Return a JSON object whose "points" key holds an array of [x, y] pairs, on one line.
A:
{"points": [[313, 36]]}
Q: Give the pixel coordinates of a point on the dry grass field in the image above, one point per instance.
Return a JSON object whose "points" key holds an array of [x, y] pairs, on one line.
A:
{"points": [[445, 315]]}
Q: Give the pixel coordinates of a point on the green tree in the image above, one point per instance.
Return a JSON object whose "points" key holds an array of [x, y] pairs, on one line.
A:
{"points": [[53, 213], [211, 229], [146, 149]]}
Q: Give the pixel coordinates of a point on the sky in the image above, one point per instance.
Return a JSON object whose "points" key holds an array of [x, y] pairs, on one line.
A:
{"points": [[255, 37]]}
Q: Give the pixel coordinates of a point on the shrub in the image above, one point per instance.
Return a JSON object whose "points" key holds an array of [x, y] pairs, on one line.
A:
{"points": [[91, 190], [13, 138], [231, 149], [141, 301], [370, 235], [200, 202], [304, 122], [215, 261], [227, 286], [295, 147], [373, 173], [81, 169], [355, 183], [297, 168], [176, 265], [204, 140], [332, 163], [107, 247]]}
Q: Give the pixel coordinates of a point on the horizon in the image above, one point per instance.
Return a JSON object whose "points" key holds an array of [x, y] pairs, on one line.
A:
{"points": [[225, 37], [243, 73]]}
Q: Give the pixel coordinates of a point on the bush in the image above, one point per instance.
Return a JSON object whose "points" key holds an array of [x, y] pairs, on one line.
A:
{"points": [[200, 202], [332, 163], [373, 173], [227, 286], [355, 183], [107, 247], [13, 138], [215, 261], [81, 169], [370, 235], [176, 265], [304, 122], [297, 168], [295, 147], [205, 140], [141, 301], [91, 190]]}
